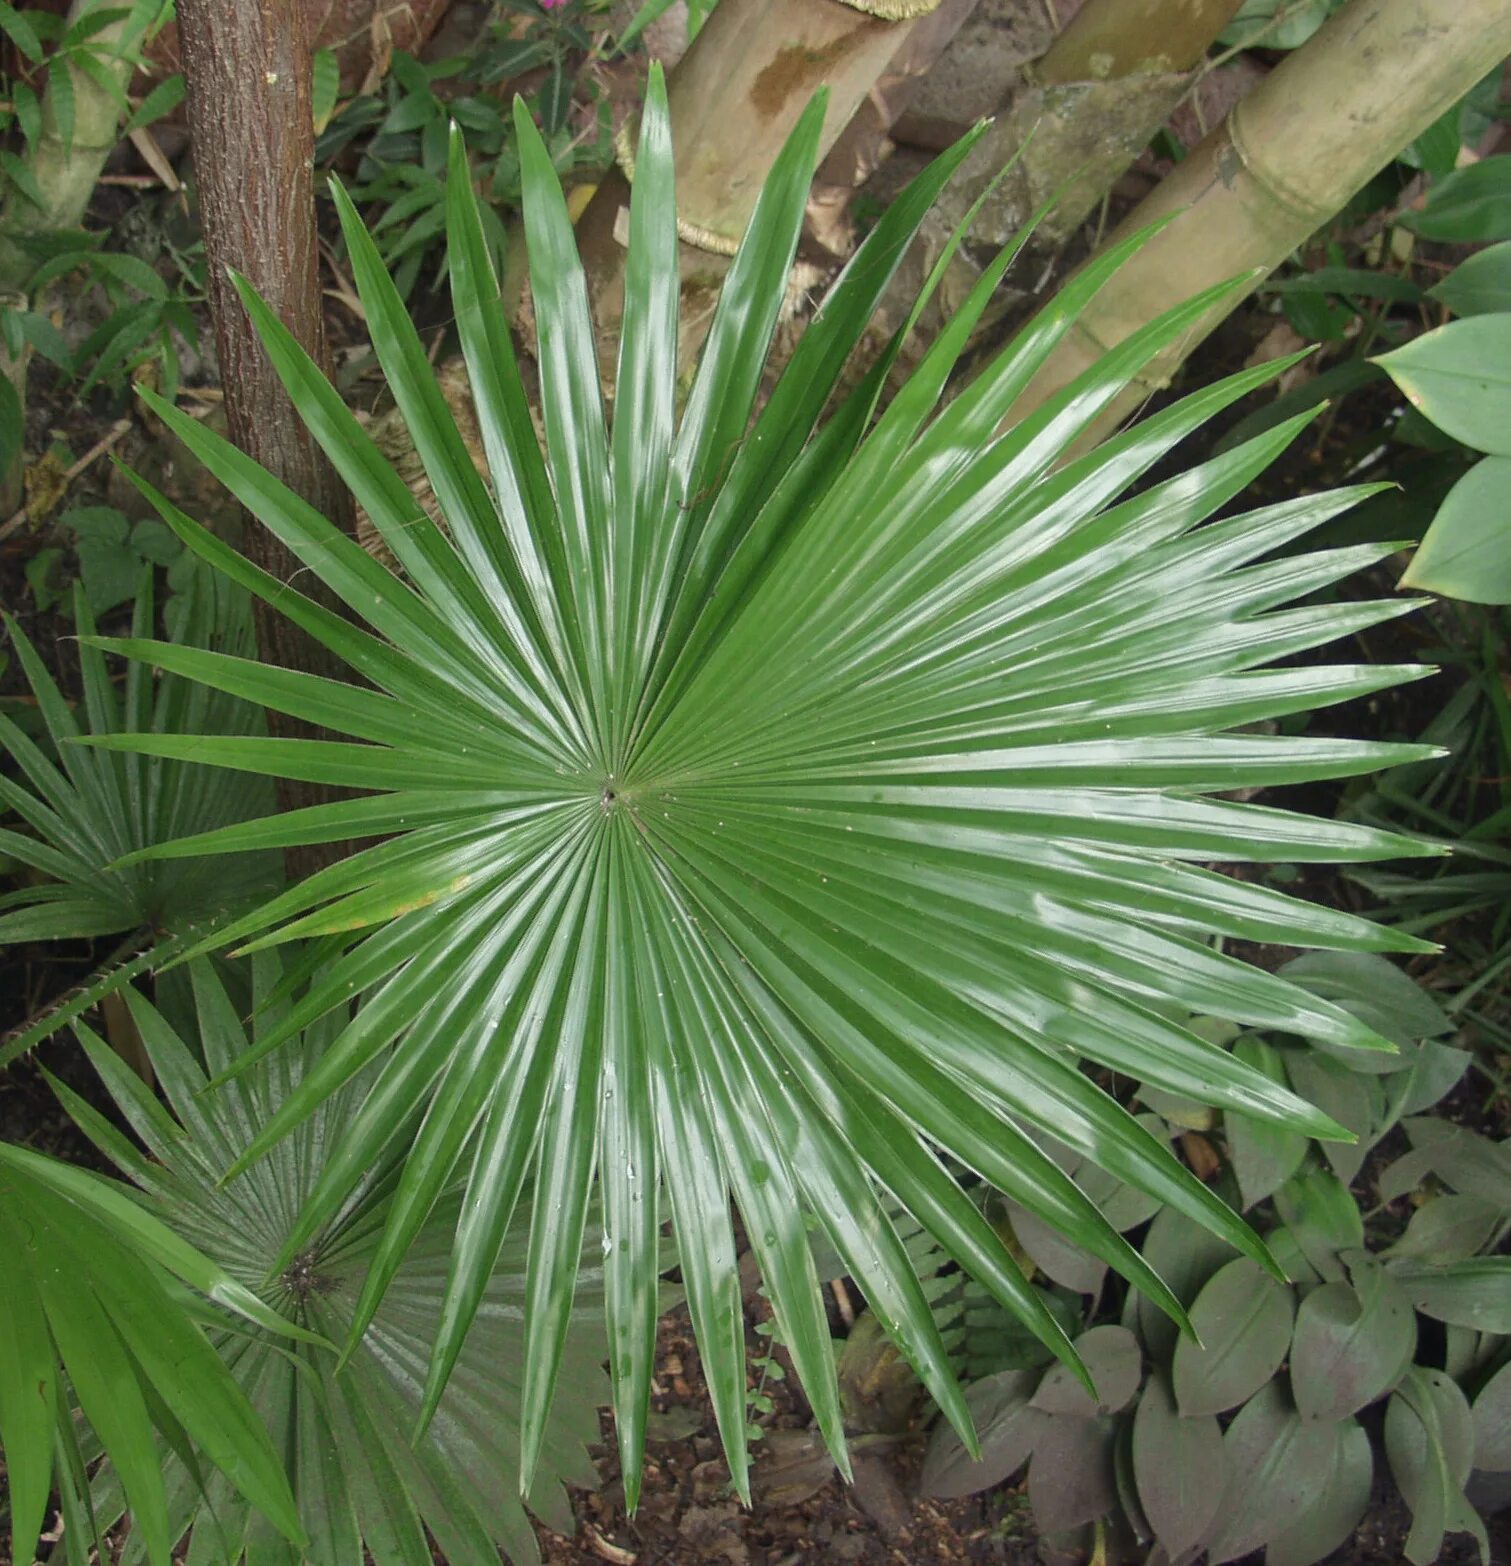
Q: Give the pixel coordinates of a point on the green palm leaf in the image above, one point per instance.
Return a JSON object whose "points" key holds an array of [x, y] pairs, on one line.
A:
{"points": [[79, 812], [86, 1301], [778, 811], [357, 1482]]}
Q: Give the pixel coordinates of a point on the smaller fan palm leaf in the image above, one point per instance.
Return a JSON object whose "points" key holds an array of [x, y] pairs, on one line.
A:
{"points": [[776, 809], [90, 1299], [358, 1483], [84, 811]]}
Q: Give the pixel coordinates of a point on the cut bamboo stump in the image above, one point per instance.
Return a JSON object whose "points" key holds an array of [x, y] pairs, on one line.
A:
{"points": [[734, 98]]}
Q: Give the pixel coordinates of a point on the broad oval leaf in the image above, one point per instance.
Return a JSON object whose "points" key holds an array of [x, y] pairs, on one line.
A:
{"points": [[1466, 552], [1459, 376], [1113, 1360], [1180, 1468], [1462, 1159], [1352, 1343], [1185, 1255], [1355, 1100], [1279, 1466], [1474, 1293], [1492, 1423], [785, 803], [1274, 24], [1072, 1476], [1480, 285], [1264, 1156], [1243, 1320], [1429, 1439], [1054, 1256], [1006, 1427], [1472, 203], [1323, 1218], [1435, 1070], [1378, 993], [1448, 1229], [1334, 1514]]}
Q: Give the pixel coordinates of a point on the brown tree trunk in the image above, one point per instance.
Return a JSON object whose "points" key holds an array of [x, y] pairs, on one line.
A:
{"points": [[247, 71]]}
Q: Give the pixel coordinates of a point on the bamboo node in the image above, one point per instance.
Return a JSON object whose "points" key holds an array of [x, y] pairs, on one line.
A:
{"points": [[894, 10], [1311, 211], [689, 233]]}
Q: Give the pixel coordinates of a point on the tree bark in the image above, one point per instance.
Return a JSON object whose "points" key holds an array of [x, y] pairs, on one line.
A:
{"points": [[247, 74], [1286, 159]]}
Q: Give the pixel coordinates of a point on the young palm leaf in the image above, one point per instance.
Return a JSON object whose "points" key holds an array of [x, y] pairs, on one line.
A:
{"points": [[87, 1303], [358, 1484], [772, 810], [85, 811]]}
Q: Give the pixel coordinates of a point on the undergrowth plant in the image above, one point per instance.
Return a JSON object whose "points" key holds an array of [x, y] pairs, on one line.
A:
{"points": [[1252, 1438], [97, 1319], [400, 177], [79, 813], [345, 1419], [772, 806]]}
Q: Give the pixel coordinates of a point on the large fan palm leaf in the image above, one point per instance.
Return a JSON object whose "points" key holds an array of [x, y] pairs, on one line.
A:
{"points": [[776, 810]]}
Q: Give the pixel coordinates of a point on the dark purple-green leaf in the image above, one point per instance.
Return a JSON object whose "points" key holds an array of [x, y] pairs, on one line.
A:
{"points": [[1492, 1423], [1278, 1468], [1005, 1426], [1335, 1513], [1264, 1156], [1429, 1438], [1352, 1343], [1179, 1466], [1448, 1229], [1185, 1255], [1111, 1357], [1243, 1319], [1054, 1255], [1354, 1100], [1474, 1293], [1071, 1479], [1322, 1217]]}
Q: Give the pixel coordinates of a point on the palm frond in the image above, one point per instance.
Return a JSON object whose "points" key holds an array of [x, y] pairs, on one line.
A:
{"points": [[778, 808], [358, 1482], [82, 811], [89, 1309]]}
